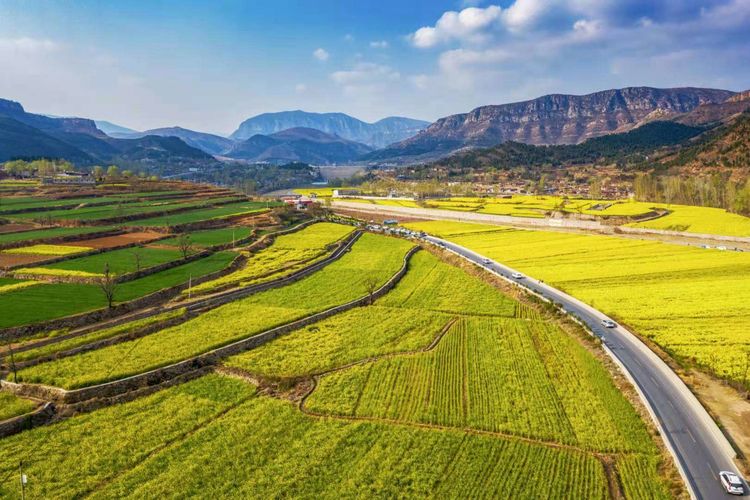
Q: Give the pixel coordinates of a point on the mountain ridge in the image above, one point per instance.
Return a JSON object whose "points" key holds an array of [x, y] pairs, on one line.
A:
{"points": [[299, 144], [552, 119], [378, 134]]}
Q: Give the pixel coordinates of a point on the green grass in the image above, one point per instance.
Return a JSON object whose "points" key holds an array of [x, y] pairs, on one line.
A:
{"points": [[117, 210], [693, 302], [226, 442], [51, 301], [191, 216], [373, 256], [122, 261], [213, 237], [54, 232], [13, 406]]}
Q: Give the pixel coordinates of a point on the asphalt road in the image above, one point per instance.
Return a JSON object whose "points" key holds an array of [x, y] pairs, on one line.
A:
{"points": [[692, 437]]}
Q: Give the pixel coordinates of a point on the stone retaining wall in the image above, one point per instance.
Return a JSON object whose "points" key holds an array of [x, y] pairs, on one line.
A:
{"points": [[161, 375], [40, 416], [119, 309]]}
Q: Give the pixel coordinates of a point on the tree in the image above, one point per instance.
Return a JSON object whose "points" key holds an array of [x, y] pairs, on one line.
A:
{"points": [[595, 188], [113, 172], [137, 257], [127, 174], [371, 285], [108, 285], [98, 173], [185, 245]]}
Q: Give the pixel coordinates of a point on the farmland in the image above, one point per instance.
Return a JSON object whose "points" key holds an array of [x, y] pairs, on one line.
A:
{"points": [[55, 232], [373, 256], [442, 387], [681, 218], [693, 302], [288, 253], [282, 453], [56, 300]]}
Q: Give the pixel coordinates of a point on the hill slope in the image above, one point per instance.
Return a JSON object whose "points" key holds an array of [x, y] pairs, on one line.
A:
{"points": [[378, 134], [209, 143], [552, 119], [298, 144]]}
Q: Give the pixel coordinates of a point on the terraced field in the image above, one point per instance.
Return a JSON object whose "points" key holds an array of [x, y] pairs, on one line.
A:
{"points": [[56, 300], [288, 253], [693, 302], [373, 256], [227, 441]]}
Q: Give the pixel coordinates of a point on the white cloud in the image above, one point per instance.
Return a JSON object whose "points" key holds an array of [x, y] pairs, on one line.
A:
{"points": [[348, 37], [365, 72], [300, 88], [28, 45], [379, 44], [321, 54], [468, 25]]}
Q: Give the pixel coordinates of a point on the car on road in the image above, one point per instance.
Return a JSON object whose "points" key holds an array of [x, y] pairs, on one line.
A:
{"points": [[608, 323], [517, 276], [731, 483], [486, 261]]}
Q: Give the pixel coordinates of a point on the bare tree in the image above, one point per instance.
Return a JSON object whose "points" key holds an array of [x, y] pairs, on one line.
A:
{"points": [[371, 285], [137, 257], [108, 284], [186, 246]]}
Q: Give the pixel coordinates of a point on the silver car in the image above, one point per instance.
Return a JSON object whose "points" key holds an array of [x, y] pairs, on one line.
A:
{"points": [[731, 483], [608, 323]]}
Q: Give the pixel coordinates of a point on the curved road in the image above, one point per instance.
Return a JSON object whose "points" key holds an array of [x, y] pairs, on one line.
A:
{"points": [[693, 438]]}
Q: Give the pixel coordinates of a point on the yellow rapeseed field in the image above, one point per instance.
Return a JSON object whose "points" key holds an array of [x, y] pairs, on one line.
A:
{"points": [[693, 302]]}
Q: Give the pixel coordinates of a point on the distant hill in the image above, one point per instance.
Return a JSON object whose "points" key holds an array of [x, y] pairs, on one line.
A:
{"points": [[378, 134], [209, 143], [29, 136], [114, 130], [21, 141], [14, 110], [551, 120], [633, 146], [298, 144]]}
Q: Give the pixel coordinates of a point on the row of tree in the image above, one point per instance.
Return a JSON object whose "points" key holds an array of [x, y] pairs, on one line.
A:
{"points": [[48, 168], [718, 191]]}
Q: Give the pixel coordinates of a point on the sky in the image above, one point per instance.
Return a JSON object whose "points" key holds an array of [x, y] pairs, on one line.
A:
{"points": [[209, 65]]}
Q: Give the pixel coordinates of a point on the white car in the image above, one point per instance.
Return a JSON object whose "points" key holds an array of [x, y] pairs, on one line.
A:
{"points": [[608, 323], [731, 483], [487, 261], [517, 276]]}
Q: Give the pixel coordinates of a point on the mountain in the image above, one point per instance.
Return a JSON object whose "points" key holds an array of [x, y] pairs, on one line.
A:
{"points": [[551, 119], [21, 141], [210, 143], [13, 109], [28, 136], [113, 129], [378, 134], [630, 147], [714, 113], [299, 144]]}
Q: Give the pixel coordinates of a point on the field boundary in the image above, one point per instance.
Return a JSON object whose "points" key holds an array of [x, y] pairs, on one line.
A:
{"points": [[107, 391]]}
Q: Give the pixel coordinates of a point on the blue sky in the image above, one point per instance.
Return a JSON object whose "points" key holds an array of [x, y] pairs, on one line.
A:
{"points": [[209, 65]]}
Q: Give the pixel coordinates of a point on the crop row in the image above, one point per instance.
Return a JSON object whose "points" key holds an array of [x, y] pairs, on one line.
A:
{"points": [[500, 375], [226, 442], [373, 257], [288, 253], [693, 302], [56, 300]]}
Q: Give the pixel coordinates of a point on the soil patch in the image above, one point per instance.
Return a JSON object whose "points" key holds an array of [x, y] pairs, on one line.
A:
{"points": [[117, 240], [8, 259], [13, 227]]}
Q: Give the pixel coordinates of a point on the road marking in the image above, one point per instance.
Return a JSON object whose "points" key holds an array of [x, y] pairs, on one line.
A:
{"points": [[670, 404], [654, 381], [691, 435]]}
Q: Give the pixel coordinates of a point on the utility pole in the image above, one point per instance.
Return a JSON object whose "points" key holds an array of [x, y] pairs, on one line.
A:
{"points": [[190, 286], [12, 361], [24, 480]]}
